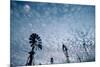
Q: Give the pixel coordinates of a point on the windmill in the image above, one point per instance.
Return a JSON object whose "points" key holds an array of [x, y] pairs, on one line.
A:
{"points": [[36, 43]]}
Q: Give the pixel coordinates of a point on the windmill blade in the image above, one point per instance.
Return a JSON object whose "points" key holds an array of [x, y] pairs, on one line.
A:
{"points": [[40, 46]]}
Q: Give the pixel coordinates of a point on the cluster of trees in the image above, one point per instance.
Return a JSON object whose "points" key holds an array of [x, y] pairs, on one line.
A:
{"points": [[86, 40], [36, 44]]}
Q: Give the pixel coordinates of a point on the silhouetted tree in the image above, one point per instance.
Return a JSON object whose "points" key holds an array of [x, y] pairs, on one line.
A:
{"points": [[83, 35], [65, 50], [85, 48], [36, 43], [86, 44]]}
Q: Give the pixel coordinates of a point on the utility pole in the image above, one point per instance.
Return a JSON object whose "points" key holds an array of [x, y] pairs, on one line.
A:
{"points": [[51, 60]]}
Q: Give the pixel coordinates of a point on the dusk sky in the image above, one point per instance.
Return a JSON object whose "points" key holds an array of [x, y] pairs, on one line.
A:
{"points": [[55, 24]]}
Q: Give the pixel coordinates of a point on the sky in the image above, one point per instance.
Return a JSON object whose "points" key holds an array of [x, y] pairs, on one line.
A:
{"points": [[56, 24]]}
